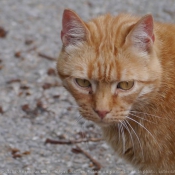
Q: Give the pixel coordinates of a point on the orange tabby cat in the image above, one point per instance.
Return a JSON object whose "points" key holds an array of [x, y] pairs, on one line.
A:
{"points": [[121, 72]]}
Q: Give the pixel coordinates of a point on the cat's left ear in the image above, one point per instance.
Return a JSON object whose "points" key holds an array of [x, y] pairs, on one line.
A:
{"points": [[142, 36], [73, 28]]}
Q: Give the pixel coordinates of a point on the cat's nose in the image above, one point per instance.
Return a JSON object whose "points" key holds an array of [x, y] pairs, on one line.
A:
{"points": [[102, 114]]}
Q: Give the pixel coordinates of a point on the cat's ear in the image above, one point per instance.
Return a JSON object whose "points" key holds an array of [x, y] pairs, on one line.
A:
{"points": [[73, 28], [142, 36]]}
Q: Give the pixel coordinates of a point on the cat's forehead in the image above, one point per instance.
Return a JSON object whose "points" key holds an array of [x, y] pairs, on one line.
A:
{"points": [[109, 32], [107, 66], [103, 69], [107, 35], [103, 64]]}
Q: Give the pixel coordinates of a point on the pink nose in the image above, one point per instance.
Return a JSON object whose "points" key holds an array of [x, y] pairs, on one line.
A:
{"points": [[102, 114]]}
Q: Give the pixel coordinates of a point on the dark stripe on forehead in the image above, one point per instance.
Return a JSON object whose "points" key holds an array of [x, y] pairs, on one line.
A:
{"points": [[90, 69], [118, 70], [111, 66]]}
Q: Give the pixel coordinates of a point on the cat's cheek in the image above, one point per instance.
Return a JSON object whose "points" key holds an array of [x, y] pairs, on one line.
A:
{"points": [[80, 96], [148, 92]]}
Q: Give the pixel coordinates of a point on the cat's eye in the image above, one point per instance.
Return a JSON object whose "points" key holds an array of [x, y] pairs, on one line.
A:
{"points": [[125, 85], [83, 82]]}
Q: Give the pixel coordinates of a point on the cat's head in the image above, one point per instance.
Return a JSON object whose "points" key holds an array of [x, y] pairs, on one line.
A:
{"points": [[108, 64]]}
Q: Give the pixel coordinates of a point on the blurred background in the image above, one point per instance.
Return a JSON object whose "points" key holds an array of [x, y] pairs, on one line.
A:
{"points": [[33, 104]]}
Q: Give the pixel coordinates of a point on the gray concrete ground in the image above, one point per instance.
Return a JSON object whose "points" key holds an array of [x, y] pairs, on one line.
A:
{"points": [[33, 104]]}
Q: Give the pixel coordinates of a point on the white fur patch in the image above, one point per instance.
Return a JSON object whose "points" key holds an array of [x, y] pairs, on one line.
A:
{"points": [[146, 90]]}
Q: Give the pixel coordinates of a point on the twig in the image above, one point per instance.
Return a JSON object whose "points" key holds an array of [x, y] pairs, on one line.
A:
{"points": [[69, 142], [18, 54], [95, 162], [46, 56], [31, 49], [79, 150], [13, 81]]}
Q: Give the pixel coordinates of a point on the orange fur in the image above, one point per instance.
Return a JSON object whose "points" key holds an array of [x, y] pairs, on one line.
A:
{"points": [[105, 51]]}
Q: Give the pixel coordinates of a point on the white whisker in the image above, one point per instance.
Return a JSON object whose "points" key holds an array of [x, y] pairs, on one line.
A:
{"points": [[141, 118], [123, 138], [119, 128], [136, 137], [143, 128], [125, 125], [150, 115], [80, 119]]}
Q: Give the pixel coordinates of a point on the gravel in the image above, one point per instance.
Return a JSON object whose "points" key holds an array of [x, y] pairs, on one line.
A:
{"points": [[33, 104]]}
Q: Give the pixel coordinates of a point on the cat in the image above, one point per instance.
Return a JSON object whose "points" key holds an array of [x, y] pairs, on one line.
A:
{"points": [[121, 72]]}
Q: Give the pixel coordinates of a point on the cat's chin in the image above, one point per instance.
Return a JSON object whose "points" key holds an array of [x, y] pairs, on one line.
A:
{"points": [[106, 124]]}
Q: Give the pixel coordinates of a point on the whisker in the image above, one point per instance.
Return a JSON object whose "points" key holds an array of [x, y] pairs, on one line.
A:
{"points": [[125, 125], [80, 119], [123, 138], [143, 127], [119, 127], [137, 138], [142, 118], [150, 115]]}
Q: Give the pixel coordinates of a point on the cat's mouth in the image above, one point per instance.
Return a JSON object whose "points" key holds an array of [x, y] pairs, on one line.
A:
{"points": [[107, 121]]}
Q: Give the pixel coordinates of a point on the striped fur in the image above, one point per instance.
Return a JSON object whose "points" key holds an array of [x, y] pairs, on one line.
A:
{"points": [[108, 50]]}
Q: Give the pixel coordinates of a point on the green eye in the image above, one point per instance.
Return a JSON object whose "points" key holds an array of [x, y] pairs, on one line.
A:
{"points": [[83, 82], [125, 85]]}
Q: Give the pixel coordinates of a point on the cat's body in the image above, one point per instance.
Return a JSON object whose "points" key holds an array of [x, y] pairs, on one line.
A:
{"points": [[121, 71]]}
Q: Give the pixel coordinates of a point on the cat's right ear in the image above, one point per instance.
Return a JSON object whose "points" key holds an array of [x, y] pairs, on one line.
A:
{"points": [[142, 34], [73, 28]]}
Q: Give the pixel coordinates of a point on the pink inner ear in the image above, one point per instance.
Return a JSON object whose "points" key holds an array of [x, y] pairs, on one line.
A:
{"points": [[142, 36], [62, 34], [67, 19], [148, 26], [73, 29]]}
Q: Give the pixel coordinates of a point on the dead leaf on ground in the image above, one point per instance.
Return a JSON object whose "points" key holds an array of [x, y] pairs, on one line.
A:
{"points": [[28, 41], [17, 154], [25, 108], [3, 32], [26, 152], [56, 96], [46, 57], [13, 81], [51, 72], [14, 150], [1, 110], [76, 151], [47, 86], [17, 54], [50, 85], [24, 87], [40, 105]]}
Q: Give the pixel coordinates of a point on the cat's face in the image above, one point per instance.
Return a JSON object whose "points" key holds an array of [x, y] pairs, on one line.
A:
{"points": [[108, 70]]}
